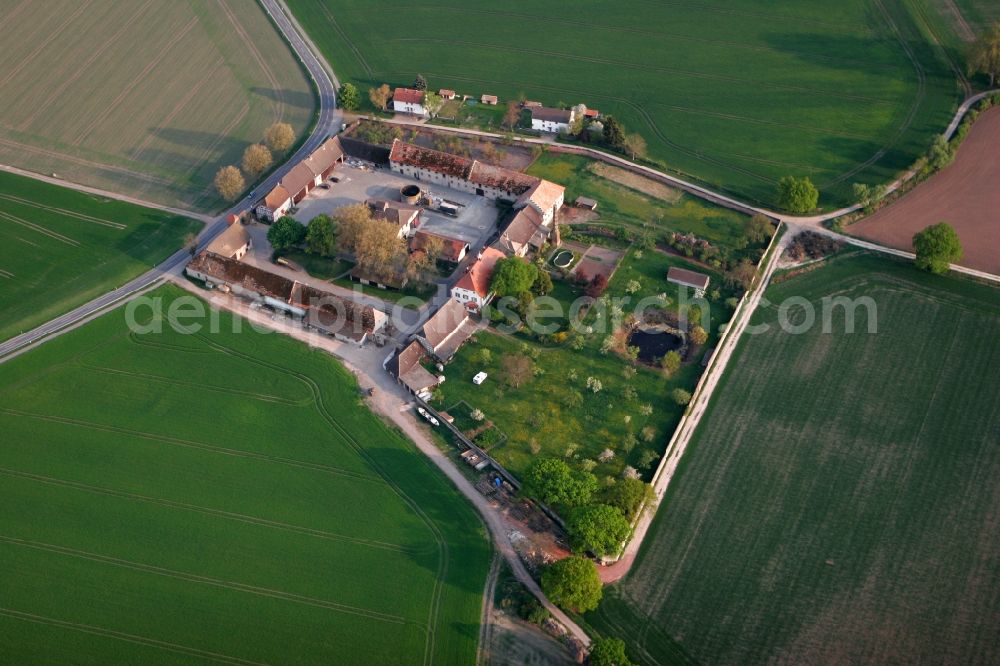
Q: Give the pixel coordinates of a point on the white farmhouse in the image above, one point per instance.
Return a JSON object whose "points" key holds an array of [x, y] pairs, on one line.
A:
{"points": [[408, 100]]}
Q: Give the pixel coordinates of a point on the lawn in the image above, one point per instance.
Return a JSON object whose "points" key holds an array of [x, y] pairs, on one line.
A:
{"points": [[173, 498], [60, 248], [838, 503], [146, 98], [735, 95], [618, 205]]}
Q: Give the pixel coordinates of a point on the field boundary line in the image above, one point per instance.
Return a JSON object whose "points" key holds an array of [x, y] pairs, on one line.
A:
{"points": [[55, 154], [130, 638], [165, 439], [206, 580], [219, 513]]}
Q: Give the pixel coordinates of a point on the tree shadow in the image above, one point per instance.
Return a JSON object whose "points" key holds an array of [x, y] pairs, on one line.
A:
{"points": [[297, 98]]}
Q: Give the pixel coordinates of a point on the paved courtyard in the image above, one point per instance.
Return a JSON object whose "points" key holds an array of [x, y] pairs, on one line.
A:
{"points": [[475, 223]]}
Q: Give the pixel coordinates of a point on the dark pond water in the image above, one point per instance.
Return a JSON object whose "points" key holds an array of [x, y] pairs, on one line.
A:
{"points": [[653, 344]]}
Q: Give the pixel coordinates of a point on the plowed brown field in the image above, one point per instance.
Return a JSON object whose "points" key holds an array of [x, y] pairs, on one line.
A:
{"points": [[966, 195]]}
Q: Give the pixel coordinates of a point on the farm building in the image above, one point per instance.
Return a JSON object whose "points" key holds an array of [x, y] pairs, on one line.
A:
{"points": [[344, 319], [473, 289], [686, 278], [489, 99], [528, 104], [233, 243], [407, 218], [408, 100], [465, 174], [586, 202], [301, 180], [405, 367], [545, 119], [446, 94], [390, 281], [446, 330], [454, 250]]}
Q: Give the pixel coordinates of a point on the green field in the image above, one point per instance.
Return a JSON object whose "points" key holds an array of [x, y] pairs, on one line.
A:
{"points": [[220, 497], [736, 95], [145, 98], [60, 248], [839, 503]]}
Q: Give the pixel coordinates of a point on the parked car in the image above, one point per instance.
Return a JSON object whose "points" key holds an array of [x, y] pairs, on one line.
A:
{"points": [[479, 378]]}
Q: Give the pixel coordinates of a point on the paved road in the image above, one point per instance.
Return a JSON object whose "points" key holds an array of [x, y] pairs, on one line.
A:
{"points": [[328, 123]]}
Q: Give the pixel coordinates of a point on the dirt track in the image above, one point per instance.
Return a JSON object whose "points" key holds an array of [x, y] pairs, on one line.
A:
{"points": [[965, 195]]}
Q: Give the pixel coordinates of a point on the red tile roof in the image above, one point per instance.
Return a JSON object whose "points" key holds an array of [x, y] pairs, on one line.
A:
{"points": [[427, 158], [408, 95], [479, 276]]}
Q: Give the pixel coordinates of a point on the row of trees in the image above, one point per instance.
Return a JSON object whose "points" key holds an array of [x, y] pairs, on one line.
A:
{"points": [[257, 158]]}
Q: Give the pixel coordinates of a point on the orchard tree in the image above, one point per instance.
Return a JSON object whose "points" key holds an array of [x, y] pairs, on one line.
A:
{"points": [[279, 137], [516, 369], [552, 481], [349, 98], [380, 96], [742, 275], [256, 159], [598, 529], [284, 233], [320, 238], [573, 583], [984, 54], [229, 183], [698, 335], [608, 652], [513, 276], [433, 103], [797, 195], [680, 396], [937, 246]]}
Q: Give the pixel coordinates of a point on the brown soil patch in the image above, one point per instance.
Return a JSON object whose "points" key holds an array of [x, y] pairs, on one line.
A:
{"points": [[636, 182], [965, 195]]}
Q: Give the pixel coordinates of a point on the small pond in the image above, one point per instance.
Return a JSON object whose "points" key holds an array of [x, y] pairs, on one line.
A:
{"points": [[654, 343]]}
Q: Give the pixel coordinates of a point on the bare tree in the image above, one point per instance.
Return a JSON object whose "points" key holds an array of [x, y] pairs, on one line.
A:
{"points": [[380, 96], [635, 146], [515, 369]]}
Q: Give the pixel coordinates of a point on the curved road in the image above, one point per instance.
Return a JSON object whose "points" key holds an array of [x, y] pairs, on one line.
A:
{"points": [[327, 123]]}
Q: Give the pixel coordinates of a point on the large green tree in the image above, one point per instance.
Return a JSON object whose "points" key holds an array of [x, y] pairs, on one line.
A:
{"points": [[614, 133], [608, 652], [937, 246], [350, 97], [573, 583], [627, 495], [797, 195], [513, 276], [320, 238], [285, 232], [598, 529], [552, 481]]}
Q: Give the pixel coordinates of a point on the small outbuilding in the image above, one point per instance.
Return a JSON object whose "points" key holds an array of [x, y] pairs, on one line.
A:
{"points": [[489, 99], [446, 94], [586, 202], [682, 276]]}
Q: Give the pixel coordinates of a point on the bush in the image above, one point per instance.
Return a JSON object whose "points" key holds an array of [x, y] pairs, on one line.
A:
{"points": [[797, 195], [936, 247], [680, 396], [814, 245]]}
